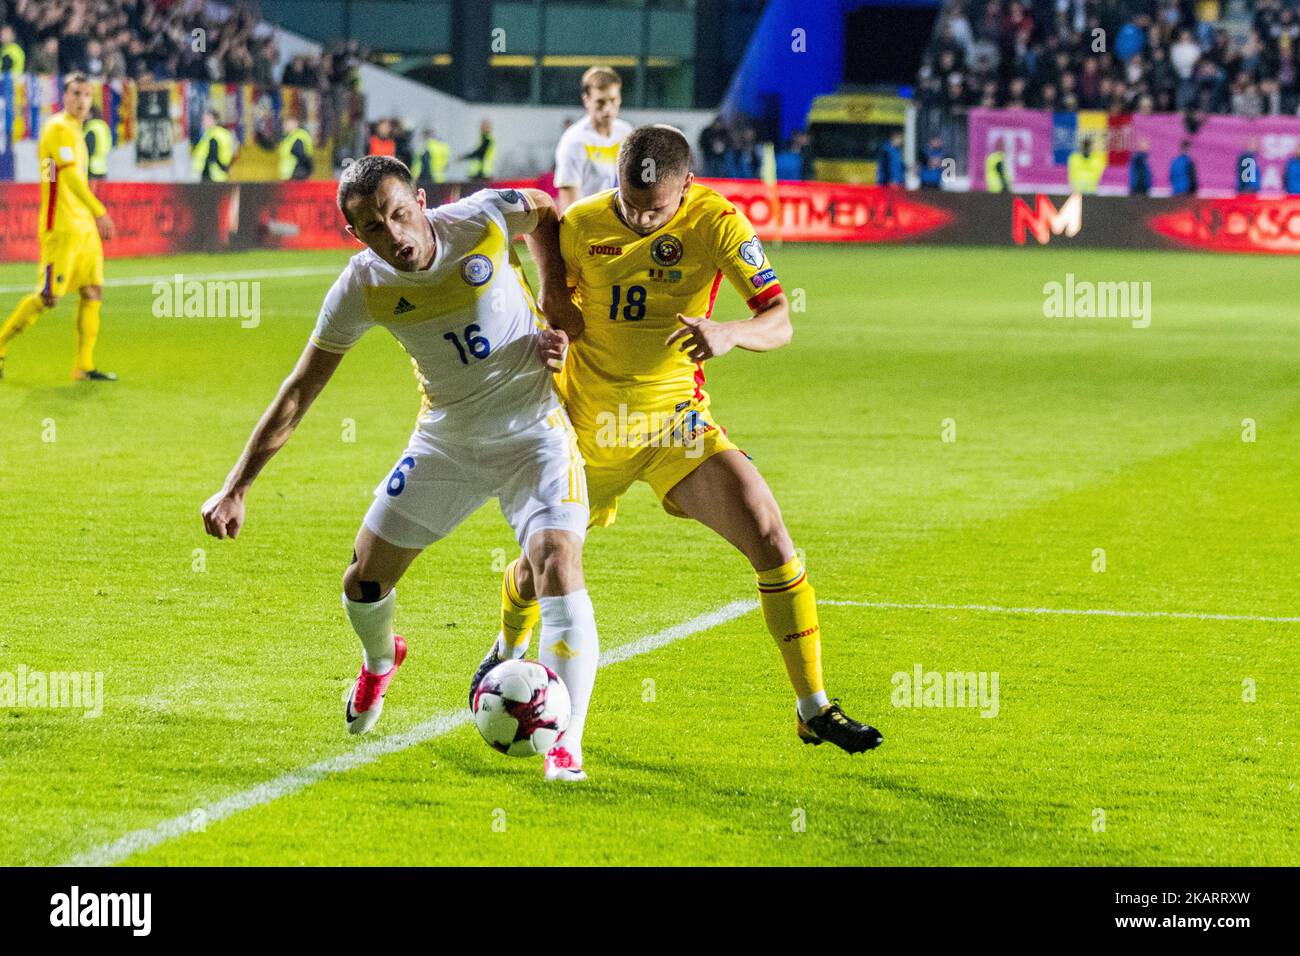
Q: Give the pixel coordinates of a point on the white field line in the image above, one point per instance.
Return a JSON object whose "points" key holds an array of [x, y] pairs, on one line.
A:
{"points": [[200, 277], [1079, 612], [146, 838], [443, 723]]}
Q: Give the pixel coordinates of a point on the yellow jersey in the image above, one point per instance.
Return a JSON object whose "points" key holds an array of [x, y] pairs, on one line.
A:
{"points": [[630, 289], [67, 204]]}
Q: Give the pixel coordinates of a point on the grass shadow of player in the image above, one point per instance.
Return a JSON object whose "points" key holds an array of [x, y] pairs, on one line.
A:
{"points": [[52, 398]]}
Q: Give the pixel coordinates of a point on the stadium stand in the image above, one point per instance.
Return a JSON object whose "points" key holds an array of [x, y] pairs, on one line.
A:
{"points": [[146, 40], [1138, 56]]}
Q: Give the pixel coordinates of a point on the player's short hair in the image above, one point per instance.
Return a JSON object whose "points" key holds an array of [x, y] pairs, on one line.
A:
{"points": [[364, 177], [652, 154], [75, 77], [598, 78]]}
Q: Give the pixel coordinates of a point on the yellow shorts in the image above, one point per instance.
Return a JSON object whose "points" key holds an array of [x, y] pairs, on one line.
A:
{"points": [[620, 453], [70, 260]]}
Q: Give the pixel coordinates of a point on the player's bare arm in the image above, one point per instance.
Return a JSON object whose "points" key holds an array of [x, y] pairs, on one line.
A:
{"points": [[565, 196], [223, 513], [554, 297], [703, 339]]}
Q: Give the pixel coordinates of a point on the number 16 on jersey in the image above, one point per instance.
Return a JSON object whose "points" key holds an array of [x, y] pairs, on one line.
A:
{"points": [[478, 345]]}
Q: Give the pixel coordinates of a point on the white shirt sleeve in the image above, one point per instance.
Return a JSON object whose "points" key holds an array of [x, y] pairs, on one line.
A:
{"points": [[569, 154], [510, 207], [343, 316]]}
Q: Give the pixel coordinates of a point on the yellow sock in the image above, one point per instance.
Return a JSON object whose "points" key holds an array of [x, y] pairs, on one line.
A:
{"points": [[87, 333], [790, 610], [21, 318], [518, 617]]}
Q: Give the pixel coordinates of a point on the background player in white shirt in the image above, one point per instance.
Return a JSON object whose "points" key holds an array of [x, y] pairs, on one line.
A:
{"points": [[445, 283], [586, 158]]}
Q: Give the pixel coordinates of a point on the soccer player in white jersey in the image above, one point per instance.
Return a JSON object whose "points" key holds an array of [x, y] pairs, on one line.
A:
{"points": [[446, 284], [586, 159]]}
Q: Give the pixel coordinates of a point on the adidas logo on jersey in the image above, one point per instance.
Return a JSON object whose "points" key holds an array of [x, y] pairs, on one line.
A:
{"points": [[403, 307]]}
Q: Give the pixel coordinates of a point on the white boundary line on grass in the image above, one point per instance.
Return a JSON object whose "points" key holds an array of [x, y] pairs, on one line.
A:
{"points": [[301, 271], [1084, 612], [137, 841]]}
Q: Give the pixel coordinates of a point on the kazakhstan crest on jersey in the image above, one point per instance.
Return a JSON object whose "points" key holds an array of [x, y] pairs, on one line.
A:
{"points": [[476, 270]]}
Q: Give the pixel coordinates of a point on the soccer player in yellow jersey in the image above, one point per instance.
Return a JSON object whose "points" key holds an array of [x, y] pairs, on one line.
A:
{"points": [[71, 226], [645, 262]]}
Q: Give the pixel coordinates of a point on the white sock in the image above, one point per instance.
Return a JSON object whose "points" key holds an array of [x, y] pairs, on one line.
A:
{"points": [[812, 705], [569, 647], [373, 623], [520, 649]]}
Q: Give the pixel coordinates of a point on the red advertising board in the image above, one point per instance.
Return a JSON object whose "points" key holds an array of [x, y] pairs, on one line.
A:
{"points": [[1043, 220], [831, 212], [163, 218], [1243, 224], [20, 205], [295, 215], [822, 212], [166, 218], [151, 219]]}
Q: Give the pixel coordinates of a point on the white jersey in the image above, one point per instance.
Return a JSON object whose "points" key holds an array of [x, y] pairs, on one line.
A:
{"points": [[468, 322], [588, 161]]}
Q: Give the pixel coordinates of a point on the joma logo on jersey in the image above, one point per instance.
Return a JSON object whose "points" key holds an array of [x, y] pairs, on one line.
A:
{"points": [[604, 250]]}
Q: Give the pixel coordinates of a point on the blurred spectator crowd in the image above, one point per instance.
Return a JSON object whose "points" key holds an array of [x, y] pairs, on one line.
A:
{"points": [[184, 40], [161, 40], [1121, 56], [732, 151]]}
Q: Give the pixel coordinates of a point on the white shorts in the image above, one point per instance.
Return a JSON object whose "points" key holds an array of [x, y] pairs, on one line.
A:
{"points": [[537, 475]]}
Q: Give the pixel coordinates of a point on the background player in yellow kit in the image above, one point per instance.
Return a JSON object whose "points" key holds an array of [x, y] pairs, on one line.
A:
{"points": [[71, 226], [646, 261]]}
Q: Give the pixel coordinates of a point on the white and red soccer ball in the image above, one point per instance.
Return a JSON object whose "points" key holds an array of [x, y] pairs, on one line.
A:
{"points": [[521, 708]]}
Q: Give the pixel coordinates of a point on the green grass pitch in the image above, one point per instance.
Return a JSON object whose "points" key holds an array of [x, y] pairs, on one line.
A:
{"points": [[1126, 740]]}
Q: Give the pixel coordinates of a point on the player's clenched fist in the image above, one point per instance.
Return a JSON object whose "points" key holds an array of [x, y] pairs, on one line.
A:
{"points": [[223, 515], [554, 345]]}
